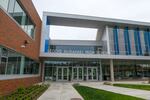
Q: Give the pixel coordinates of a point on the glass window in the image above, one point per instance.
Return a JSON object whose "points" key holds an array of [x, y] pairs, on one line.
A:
{"points": [[11, 7], [31, 67], [13, 66], [30, 29], [4, 4], [3, 65], [12, 62], [19, 15], [17, 12]]}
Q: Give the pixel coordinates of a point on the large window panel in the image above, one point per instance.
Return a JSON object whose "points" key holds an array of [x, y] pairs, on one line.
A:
{"points": [[4, 4], [31, 67], [12, 63], [13, 66], [30, 30], [3, 65], [19, 15], [3, 60], [14, 8], [11, 7]]}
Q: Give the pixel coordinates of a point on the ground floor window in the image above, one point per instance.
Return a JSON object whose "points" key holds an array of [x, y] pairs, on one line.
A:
{"points": [[12, 62], [95, 70], [131, 69], [75, 70]]}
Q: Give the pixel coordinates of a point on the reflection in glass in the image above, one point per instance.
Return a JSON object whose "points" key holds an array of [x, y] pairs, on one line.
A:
{"points": [[17, 12], [12, 62], [4, 3]]}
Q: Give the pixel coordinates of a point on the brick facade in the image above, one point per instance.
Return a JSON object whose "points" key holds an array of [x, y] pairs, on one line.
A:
{"points": [[12, 36], [7, 86]]}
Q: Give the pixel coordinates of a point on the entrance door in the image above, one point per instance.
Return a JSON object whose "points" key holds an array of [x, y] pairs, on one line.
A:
{"points": [[92, 74], [62, 73], [77, 73]]}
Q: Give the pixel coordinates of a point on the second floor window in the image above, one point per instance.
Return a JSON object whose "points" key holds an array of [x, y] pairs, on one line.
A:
{"points": [[16, 11]]}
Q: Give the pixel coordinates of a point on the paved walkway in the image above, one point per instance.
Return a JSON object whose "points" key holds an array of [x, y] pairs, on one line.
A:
{"points": [[60, 91], [132, 92]]}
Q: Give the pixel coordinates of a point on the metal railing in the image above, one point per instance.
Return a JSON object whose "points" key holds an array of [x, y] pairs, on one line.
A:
{"points": [[77, 51]]}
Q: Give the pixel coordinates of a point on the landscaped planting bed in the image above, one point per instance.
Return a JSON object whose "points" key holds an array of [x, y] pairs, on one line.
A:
{"points": [[30, 93], [89, 93], [134, 86]]}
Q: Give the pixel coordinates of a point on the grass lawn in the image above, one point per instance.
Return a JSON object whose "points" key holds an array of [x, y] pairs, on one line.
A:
{"points": [[96, 94], [134, 86]]}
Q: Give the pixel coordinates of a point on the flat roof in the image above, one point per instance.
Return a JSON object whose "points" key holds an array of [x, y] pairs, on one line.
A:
{"points": [[63, 19]]}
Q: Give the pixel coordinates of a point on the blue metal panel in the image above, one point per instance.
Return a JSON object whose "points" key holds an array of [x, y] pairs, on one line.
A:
{"points": [[135, 39], [116, 43], [127, 41], [48, 20], [46, 37], [137, 42], [146, 40], [46, 45]]}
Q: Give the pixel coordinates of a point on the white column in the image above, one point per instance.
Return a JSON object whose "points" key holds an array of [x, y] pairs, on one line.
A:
{"points": [[111, 70], [108, 42], [22, 64]]}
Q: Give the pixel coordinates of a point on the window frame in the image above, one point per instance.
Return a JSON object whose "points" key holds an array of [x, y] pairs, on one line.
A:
{"points": [[27, 14]]}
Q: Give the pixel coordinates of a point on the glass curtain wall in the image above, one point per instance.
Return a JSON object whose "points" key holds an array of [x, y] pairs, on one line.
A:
{"points": [[14, 8], [131, 70], [4, 3], [12, 62], [51, 68], [105, 69]]}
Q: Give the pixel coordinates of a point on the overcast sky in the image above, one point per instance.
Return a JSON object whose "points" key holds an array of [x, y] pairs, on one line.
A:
{"points": [[138, 10]]}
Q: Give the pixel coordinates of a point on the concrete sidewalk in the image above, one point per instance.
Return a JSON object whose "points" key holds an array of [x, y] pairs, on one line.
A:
{"points": [[60, 91], [126, 91]]}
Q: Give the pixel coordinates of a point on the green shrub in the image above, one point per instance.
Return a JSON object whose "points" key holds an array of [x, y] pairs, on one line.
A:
{"points": [[107, 83], [76, 84], [21, 90], [30, 93]]}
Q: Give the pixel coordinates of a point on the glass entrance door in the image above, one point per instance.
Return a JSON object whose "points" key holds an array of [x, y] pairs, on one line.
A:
{"points": [[92, 74], [77, 73], [62, 73]]}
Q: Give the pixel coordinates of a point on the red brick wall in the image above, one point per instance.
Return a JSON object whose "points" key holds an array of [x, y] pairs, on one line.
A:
{"points": [[12, 36], [7, 86]]}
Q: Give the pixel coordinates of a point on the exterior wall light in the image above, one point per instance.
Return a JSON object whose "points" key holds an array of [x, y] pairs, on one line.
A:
{"points": [[25, 43]]}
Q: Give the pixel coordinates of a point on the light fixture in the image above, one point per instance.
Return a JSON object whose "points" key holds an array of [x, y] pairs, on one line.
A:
{"points": [[25, 43]]}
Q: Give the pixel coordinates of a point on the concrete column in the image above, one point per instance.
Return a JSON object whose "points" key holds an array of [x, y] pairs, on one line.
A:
{"points": [[111, 70], [22, 64], [42, 65], [101, 73]]}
